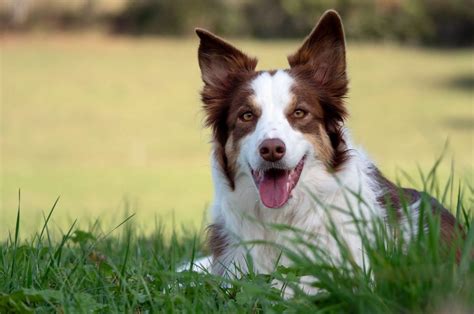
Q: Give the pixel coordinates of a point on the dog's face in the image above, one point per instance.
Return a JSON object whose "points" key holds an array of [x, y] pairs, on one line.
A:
{"points": [[270, 125]]}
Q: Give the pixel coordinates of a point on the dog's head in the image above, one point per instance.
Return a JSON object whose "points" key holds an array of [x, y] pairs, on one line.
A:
{"points": [[271, 124]]}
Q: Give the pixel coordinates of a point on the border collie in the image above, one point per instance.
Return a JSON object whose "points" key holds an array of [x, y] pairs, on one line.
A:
{"points": [[280, 144]]}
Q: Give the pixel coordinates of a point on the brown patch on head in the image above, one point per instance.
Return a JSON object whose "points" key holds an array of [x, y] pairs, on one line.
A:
{"points": [[231, 151], [271, 72], [319, 71], [311, 124], [322, 144], [243, 103], [226, 72]]}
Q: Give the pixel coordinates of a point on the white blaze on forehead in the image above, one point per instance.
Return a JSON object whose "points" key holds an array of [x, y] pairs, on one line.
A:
{"points": [[273, 92]]}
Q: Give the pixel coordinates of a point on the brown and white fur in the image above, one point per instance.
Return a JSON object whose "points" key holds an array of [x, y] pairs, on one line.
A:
{"points": [[279, 144]]}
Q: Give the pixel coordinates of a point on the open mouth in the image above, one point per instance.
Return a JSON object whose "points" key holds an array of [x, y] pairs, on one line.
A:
{"points": [[275, 185]]}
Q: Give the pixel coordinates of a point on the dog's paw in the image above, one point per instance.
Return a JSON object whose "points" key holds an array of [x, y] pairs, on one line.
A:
{"points": [[306, 285], [201, 265]]}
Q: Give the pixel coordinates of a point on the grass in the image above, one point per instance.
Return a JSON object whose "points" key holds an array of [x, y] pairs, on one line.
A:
{"points": [[121, 270], [100, 119]]}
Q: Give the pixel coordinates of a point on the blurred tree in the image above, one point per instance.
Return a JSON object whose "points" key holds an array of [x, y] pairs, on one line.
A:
{"points": [[452, 22], [20, 10], [432, 22], [167, 17]]}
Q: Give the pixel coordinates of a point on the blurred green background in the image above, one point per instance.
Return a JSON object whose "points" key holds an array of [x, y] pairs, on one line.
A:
{"points": [[100, 99]]}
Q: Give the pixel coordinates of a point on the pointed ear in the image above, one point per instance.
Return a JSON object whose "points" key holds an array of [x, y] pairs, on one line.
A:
{"points": [[324, 49], [218, 59]]}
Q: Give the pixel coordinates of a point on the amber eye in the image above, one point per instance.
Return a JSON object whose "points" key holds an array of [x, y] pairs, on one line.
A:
{"points": [[299, 113], [246, 116]]}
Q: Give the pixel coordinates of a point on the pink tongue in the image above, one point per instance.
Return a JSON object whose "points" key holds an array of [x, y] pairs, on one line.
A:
{"points": [[273, 190]]}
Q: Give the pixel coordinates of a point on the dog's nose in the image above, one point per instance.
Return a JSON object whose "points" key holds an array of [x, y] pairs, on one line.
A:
{"points": [[272, 149]]}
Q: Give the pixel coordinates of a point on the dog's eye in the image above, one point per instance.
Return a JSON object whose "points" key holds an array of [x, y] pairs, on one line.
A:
{"points": [[299, 113], [247, 116]]}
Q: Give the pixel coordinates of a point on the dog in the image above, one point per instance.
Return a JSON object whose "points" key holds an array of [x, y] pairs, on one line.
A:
{"points": [[283, 155]]}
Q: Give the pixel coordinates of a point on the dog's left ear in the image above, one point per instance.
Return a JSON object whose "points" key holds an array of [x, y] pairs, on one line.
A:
{"points": [[324, 49]]}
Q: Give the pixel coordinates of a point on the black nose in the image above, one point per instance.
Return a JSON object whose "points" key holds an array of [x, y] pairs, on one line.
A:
{"points": [[272, 149]]}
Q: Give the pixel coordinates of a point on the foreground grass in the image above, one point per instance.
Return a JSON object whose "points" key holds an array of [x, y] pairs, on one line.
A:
{"points": [[95, 118], [120, 270]]}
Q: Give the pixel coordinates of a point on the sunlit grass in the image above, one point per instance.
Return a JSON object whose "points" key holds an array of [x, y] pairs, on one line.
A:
{"points": [[117, 269], [98, 120]]}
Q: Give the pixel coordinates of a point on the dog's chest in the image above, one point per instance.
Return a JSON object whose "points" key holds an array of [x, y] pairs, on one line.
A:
{"points": [[303, 225]]}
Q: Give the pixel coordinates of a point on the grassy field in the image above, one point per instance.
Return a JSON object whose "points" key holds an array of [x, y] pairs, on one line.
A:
{"points": [[114, 123], [118, 270]]}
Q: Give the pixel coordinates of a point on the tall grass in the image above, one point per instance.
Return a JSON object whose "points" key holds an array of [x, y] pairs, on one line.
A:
{"points": [[119, 270]]}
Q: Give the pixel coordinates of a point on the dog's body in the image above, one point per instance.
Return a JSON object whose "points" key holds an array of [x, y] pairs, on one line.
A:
{"points": [[282, 154]]}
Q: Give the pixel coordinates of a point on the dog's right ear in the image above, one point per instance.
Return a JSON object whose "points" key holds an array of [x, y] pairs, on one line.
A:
{"points": [[218, 59]]}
